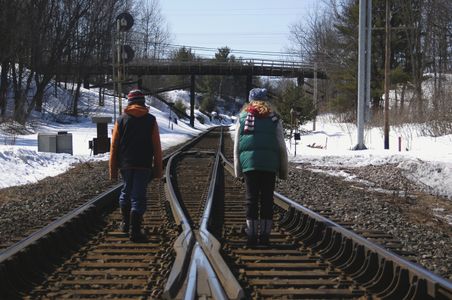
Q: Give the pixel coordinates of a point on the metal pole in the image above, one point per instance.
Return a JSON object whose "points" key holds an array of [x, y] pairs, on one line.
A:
{"points": [[361, 75], [119, 67], [100, 96], [315, 96], [249, 85], [369, 56], [192, 101], [387, 67], [114, 80], [291, 127]]}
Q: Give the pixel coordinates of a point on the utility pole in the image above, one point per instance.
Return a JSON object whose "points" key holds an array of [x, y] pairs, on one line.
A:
{"points": [[368, 62], [387, 82], [315, 96], [364, 51]]}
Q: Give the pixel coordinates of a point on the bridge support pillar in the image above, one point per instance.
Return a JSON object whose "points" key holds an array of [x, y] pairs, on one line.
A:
{"points": [[249, 85], [300, 84], [300, 81], [192, 101]]}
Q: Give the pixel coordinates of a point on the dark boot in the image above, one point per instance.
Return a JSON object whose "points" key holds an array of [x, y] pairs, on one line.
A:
{"points": [[136, 235], [251, 232], [265, 230], [125, 224]]}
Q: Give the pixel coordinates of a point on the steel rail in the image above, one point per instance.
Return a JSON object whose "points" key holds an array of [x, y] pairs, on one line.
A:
{"points": [[437, 286], [210, 244], [193, 267], [99, 202], [421, 283], [12, 257], [202, 281], [184, 243]]}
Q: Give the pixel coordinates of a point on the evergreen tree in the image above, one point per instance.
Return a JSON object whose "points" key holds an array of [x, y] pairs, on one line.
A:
{"points": [[292, 99], [183, 54]]}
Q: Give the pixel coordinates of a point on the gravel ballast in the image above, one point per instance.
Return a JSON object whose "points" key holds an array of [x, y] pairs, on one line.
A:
{"points": [[376, 197], [380, 198]]}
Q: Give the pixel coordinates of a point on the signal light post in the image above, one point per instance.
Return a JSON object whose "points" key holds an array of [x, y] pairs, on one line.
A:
{"points": [[124, 54]]}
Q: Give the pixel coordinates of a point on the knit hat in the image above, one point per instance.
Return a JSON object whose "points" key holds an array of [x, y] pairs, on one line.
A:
{"points": [[135, 96], [258, 94]]}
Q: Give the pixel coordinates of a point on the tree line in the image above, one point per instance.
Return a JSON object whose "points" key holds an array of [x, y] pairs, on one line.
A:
{"points": [[420, 48], [40, 36]]}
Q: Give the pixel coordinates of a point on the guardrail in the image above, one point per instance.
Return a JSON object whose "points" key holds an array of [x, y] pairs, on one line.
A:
{"points": [[235, 67], [235, 62], [248, 67]]}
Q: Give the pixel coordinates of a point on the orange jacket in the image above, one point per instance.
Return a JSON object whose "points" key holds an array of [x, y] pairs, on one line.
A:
{"points": [[136, 111]]}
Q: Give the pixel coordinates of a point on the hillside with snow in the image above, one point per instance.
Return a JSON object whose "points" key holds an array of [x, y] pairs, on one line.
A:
{"points": [[21, 163]]}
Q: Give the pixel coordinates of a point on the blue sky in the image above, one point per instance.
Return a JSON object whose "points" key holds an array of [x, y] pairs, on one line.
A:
{"points": [[257, 25]]}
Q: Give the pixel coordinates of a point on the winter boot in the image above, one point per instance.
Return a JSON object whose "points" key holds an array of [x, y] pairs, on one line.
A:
{"points": [[265, 230], [136, 235], [125, 224], [251, 232]]}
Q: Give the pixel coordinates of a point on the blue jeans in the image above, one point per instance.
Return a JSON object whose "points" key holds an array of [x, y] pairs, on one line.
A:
{"points": [[133, 193]]}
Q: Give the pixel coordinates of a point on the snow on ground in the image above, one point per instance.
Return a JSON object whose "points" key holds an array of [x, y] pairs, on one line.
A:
{"points": [[425, 160], [21, 163]]}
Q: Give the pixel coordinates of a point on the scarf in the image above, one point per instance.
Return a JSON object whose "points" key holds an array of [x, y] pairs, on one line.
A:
{"points": [[257, 109]]}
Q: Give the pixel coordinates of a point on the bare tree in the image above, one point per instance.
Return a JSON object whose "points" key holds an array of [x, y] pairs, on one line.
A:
{"points": [[326, 39], [420, 44], [92, 42], [151, 33], [9, 19], [40, 37]]}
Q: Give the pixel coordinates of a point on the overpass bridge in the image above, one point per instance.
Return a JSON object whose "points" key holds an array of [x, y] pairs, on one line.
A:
{"points": [[244, 67], [238, 67]]}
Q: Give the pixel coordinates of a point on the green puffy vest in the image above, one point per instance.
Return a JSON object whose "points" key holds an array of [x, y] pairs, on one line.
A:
{"points": [[259, 149]]}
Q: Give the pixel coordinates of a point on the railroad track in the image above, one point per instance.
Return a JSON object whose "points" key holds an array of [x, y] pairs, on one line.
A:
{"points": [[197, 247], [84, 255]]}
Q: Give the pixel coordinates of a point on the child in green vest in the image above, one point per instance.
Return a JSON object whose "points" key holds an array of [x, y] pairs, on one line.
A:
{"points": [[259, 155]]}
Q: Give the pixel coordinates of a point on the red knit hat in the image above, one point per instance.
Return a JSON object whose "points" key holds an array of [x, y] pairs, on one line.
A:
{"points": [[135, 96]]}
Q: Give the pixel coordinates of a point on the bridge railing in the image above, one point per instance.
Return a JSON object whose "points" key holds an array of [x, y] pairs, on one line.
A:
{"points": [[263, 63], [242, 66]]}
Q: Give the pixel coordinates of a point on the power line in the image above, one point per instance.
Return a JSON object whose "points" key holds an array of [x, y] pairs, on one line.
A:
{"points": [[187, 15], [213, 50], [289, 54], [234, 33], [232, 51], [245, 9]]}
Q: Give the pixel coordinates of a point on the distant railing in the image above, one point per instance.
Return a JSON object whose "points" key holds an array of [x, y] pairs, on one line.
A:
{"points": [[240, 66], [242, 61]]}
